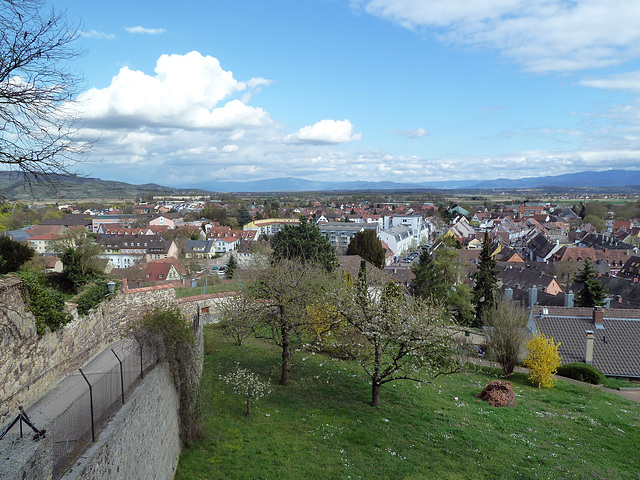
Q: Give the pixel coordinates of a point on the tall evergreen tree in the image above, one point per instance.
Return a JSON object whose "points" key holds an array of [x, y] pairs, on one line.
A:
{"points": [[368, 246], [593, 293], [306, 243], [485, 290], [438, 278], [232, 264]]}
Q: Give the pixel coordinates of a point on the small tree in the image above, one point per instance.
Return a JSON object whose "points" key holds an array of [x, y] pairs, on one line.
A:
{"points": [[239, 314], [395, 337], [506, 334], [593, 293], [13, 254], [248, 385], [286, 288], [542, 360], [368, 246], [79, 253], [232, 264]]}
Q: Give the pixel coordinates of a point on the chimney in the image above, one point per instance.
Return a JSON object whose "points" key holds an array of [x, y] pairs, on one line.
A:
{"points": [[607, 303], [568, 299], [508, 294], [598, 315], [588, 354], [533, 296]]}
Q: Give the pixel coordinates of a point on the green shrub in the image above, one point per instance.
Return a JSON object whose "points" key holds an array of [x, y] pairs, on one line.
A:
{"points": [[582, 372], [46, 304], [91, 296]]}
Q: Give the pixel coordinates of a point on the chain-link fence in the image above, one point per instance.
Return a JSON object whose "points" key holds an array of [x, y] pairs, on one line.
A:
{"points": [[75, 411], [101, 387]]}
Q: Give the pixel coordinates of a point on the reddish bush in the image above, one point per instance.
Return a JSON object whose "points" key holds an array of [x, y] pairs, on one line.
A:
{"points": [[499, 393]]}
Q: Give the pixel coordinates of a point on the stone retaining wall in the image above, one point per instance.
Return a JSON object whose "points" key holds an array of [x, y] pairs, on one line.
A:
{"points": [[142, 440], [31, 364]]}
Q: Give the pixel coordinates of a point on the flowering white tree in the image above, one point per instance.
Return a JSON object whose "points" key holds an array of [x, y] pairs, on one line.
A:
{"points": [[239, 315], [248, 385], [396, 337]]}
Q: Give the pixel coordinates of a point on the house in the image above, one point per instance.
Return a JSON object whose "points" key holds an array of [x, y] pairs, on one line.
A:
{"points": [[631, 268], [530, 210], [399, 239], [525, 276], [575, 254], [200, 249], [163, 221], [127, 250], [53, 265], [341, 233], [252, 253], [42, 244], [271, 226], [163, 271], [607, 339]]}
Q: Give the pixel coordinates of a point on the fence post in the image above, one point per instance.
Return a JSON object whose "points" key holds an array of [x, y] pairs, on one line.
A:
{"points": [[121, 375], [93, 428], [140, 343]]}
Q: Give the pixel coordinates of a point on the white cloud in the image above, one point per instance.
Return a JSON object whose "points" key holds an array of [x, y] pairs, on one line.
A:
{"points": [[186, 92], [97, 34], [230, 148], [541, 35], [411, 133], [622, 81], [145, 31], [326, 131]]}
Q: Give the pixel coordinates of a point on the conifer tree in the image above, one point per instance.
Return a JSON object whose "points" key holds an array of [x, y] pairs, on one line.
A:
{"points": [[485, 290], [368, 246], [593, 293]]}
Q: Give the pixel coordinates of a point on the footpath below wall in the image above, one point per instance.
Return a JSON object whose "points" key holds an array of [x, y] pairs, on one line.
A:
{"points": [[142, 440]]}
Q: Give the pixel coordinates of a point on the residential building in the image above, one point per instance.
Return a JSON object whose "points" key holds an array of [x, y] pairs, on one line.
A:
{"points": [[604, 338]]}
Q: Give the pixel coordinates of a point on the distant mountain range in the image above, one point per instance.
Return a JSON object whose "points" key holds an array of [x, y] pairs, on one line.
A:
{"points": [[610, 178], [71, 188]]}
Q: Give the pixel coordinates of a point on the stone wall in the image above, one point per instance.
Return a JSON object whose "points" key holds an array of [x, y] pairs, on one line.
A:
{"points": [[31, 364], [141, 441]]}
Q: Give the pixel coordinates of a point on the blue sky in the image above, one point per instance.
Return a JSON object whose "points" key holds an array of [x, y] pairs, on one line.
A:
{"points": [[181, 93]]}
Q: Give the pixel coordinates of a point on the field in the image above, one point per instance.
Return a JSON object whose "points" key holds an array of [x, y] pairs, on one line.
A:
{"points": [[322, 427]]}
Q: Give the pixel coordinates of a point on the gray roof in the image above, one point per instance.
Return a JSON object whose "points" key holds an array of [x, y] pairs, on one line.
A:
{"points": [[199, 246], [17, 235], [616, 347]]}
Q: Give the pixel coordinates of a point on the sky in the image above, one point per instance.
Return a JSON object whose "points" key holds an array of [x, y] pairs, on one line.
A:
{"points": [[183, 93]]}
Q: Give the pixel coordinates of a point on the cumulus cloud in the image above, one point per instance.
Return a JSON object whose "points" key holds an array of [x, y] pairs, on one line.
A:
{"points": [[410, 133], [541, 35], [145, 31], [326, 131], [187, 91]]}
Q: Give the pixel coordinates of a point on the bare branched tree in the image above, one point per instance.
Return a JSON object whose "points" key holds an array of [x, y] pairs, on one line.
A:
{"points": [[37, 88]]}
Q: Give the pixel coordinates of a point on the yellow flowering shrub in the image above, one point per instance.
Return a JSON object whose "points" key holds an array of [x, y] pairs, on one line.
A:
{"points": [[542, 360]]}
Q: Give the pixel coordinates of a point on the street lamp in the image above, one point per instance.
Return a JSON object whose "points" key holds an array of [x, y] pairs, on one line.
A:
{"points": [[111, 285]]}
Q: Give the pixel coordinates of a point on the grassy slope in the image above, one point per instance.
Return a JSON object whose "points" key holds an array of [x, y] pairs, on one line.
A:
{"points": [[321, 427]]}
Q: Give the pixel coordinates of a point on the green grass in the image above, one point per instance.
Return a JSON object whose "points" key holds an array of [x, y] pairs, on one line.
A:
{"points": [[322, 427], [221, 287], [615, 383]]}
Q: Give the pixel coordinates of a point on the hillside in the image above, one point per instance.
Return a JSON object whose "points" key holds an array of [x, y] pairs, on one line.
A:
{"points": [[321, 426]]}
